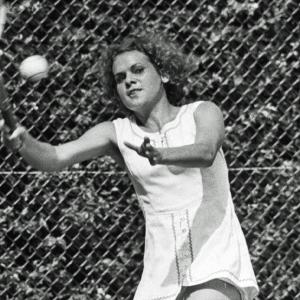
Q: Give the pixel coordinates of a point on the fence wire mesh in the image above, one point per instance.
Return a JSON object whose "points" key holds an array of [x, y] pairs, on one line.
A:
{"points": [[78, 234]]}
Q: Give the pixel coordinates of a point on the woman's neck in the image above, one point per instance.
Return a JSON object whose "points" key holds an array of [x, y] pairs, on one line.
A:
{"points": [[157, 116]]}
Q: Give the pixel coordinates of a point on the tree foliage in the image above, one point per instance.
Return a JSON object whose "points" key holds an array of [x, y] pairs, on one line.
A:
{"points": [[79, 234]]}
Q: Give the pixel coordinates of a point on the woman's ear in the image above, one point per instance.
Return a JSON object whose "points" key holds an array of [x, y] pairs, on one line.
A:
{"points": [[164, 78]]}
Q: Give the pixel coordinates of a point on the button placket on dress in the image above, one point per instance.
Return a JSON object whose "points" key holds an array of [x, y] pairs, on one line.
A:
{"points": [[183, 248]]}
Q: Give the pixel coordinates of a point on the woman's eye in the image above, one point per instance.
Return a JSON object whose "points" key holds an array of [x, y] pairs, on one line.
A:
{"points": [[138, 70]]}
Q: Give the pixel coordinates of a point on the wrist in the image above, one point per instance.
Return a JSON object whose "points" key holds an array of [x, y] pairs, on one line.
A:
{"points": [[20, 142], [160, 157], [19, 146]]}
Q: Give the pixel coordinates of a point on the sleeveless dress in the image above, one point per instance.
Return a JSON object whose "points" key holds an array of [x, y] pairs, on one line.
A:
{"points": [[192, 233]]}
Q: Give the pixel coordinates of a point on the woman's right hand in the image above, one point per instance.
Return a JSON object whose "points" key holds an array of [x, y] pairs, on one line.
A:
{"points": [[12, 140]]}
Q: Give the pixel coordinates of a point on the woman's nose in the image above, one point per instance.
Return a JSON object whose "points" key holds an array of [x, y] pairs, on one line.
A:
{"points": [[129, 80]]}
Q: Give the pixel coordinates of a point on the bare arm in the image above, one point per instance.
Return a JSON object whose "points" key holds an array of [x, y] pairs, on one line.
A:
{"points": [[97, 141], [209, 138]]}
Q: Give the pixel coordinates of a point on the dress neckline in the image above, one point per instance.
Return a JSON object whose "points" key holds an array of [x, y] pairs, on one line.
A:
{"points": [[171, 124]]}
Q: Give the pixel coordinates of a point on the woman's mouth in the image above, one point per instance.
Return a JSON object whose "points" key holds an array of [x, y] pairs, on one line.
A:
{"points": [[133, 92]]}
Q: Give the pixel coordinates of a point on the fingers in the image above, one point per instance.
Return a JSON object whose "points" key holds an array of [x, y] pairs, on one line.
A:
{"points": [[153, 161], [145, 150], [12, 140], [17, 133], [4, 128], [146, 140], [146, 147]]}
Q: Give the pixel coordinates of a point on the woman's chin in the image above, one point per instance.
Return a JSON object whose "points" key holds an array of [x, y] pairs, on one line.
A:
{"points": [[134, 104]]}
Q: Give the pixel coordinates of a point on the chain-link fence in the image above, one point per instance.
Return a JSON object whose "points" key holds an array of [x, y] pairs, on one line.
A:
{"points": [[78, 234]]}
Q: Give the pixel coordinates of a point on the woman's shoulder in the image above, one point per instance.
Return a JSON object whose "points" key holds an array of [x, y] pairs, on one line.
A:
{"points": [[204, 107], [203, 110], [193, 106]]}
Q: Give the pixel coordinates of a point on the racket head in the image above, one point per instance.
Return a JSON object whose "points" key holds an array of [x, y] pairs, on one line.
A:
{"points": [[6, 110], [3, 14], [5, 107]]}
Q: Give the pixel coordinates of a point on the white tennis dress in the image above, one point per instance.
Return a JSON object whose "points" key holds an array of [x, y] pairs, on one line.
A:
{"points": [[192, 232]]}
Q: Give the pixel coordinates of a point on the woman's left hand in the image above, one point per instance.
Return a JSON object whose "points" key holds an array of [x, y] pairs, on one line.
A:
{"points": [[146, 150]]}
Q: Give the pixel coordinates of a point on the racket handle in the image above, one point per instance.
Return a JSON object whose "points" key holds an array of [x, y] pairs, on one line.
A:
{"points": [[9, 119], [6, 110]]}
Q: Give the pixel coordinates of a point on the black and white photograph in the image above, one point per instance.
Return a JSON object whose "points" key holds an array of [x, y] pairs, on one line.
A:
{"points": [[150, 150]]}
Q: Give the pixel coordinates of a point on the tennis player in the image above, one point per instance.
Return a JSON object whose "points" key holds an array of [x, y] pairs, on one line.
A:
{"points": [[194, 246]]}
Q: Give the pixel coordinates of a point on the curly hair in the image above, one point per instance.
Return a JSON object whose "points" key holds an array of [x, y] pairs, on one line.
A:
{"points": [[163, 54]]}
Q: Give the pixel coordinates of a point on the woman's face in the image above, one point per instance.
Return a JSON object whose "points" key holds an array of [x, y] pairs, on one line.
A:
{"points": [[137, 81]]}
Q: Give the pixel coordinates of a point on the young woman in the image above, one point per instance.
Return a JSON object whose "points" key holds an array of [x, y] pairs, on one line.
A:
{"points": [[194, 245]]}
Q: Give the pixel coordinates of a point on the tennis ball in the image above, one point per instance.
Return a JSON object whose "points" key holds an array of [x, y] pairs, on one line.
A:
{"points": [[34, 68]]}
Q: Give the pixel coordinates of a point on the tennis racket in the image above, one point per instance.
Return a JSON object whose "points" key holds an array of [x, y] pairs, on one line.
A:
{"points": [[5, 107]]}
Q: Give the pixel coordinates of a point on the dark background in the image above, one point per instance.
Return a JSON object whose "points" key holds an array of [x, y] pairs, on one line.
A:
{"points": [[78, 234]]}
